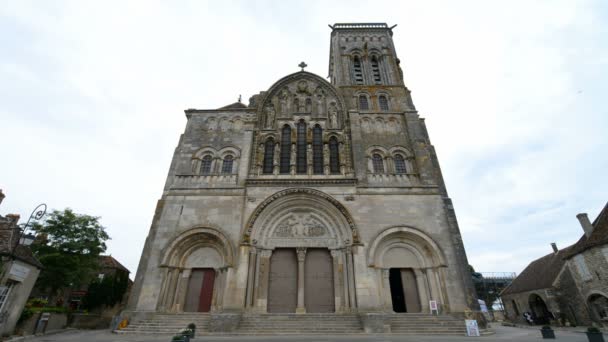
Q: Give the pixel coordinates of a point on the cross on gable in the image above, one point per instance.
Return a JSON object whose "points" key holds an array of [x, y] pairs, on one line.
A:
{"points": [[302, 65]]}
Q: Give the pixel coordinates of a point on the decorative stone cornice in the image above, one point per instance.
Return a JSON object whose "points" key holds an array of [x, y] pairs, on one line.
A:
{"points": [[292, 181]]}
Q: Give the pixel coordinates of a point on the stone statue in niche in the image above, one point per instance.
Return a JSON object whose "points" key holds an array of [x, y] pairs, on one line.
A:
{"points": [[320, 99], [292, 163], [284, 101], [270, 114], [303, 103], [308, 105], [333, 115]]}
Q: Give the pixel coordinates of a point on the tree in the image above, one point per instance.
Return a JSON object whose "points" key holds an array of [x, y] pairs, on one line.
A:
{"points": [[107, 291], [68, 245]]}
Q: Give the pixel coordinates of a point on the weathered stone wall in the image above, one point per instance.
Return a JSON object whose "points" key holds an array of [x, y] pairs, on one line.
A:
{"points": [[522, 300]]}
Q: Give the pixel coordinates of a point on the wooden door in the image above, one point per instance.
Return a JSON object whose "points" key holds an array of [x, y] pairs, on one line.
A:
{"points": [[410, 289], [283, 281], [200, 290], [206, 294], [319, 281]]}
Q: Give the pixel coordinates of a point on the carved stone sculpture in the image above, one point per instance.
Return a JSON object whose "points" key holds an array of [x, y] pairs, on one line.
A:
{"points": [[270, 114]]}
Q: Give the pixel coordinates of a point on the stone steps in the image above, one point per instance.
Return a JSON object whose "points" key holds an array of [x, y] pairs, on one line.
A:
{"points": [[299, 324]]}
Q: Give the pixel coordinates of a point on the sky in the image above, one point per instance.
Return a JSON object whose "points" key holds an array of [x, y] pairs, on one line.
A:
{"points": [[92, 95]]}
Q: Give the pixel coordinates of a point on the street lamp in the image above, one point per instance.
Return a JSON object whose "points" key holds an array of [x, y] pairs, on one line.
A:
{"points": [[28, 239]]}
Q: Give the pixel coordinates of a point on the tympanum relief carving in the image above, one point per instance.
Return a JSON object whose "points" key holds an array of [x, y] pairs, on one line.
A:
{"points": [[300, 225]]}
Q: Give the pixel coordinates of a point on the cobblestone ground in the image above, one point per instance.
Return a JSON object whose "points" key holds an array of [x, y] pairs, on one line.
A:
{"points": [[502, 334]]}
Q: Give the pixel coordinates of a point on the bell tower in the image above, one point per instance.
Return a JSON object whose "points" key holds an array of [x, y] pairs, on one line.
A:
{"points": [[363, 55]]}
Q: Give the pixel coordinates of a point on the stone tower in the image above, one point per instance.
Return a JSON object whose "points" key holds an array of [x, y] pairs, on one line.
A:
{"points": [[316, 197]]}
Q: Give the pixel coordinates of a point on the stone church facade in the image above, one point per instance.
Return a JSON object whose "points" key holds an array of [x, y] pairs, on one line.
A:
{"points": [[316, 197]]}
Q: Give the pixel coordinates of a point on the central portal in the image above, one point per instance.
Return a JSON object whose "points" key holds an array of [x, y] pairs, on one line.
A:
{"points": [[317, 287]]}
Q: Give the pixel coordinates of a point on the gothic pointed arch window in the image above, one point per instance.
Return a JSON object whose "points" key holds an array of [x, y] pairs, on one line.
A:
{"points": [[301, 147], [377, 163], [285, 149], [400, 166], [227, 165], [317, 150], [363, 104], [383, 103], [268, 156], [206, 165], [334, 155], [376, 70], [357, 70]]}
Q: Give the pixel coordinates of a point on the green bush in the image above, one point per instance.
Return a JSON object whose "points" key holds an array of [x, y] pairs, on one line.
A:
{"points": [[593, 330]]}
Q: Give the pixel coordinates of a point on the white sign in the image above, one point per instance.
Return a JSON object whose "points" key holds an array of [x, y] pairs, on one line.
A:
{"points": [[472, 328], [18, 272], [433, 306]]}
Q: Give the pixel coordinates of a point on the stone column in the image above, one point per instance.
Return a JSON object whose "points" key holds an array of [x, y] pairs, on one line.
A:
{"points": [[160, 306], [345, 279], [250, 276], [216, 285], [421, 283], [387, 300], [335, 255], [182, 288], [301, 258], [431, 279], [351, 277], [276, 158], [264, 277], [172, 289]]}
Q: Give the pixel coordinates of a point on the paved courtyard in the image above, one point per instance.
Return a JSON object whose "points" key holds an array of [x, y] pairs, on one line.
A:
{"points": [[502, 334]]}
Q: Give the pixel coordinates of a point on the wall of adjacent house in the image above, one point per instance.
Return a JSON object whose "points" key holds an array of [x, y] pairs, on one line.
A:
{"points": [[595, 280], [522, 299], [571, 303], [18, 296]]}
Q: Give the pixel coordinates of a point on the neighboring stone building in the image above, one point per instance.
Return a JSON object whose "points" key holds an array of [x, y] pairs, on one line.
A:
{"points": [[533, 290], [569, 286], [317, 197], [584, 289], [19, 271]]}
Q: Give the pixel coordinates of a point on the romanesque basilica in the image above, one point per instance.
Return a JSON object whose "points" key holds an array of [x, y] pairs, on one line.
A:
{"points": [[315, 197]]}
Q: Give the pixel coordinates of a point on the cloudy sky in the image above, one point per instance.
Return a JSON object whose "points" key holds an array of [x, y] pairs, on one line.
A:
{"points": [[92, 95]]}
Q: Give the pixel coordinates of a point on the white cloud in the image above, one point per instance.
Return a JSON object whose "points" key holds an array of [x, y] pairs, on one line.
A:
{"points": [[92, 99]]}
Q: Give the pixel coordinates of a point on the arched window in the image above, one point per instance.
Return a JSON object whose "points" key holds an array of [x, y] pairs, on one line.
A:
{"points": [[301, 147], [227, 165], [376, 70], [383, 102], [268, 155], [377, 163], [363, 105], [334, 156], [357, 70], [206, 165], [317, 150], [285, 149], [400, 167]]}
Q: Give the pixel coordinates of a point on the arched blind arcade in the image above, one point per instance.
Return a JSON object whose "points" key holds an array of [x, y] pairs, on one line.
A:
{"points": [[301, 147], [285, 149], [317, 150], [334, 157]]}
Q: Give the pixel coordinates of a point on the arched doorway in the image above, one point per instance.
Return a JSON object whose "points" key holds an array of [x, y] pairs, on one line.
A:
{"points": [[598, 304], [195, 263], [409, 265], [300, 252], [539, 309]]}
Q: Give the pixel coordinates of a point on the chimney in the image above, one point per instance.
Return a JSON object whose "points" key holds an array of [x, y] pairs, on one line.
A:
{"points": [[585, 223], [554, 246]]}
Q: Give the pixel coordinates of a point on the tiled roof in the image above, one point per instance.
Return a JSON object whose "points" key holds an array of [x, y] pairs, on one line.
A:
{"points": [[598, 237], [539, 274], [236, 105], [107, 261]]}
